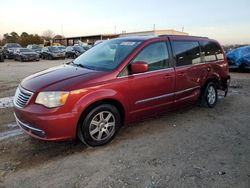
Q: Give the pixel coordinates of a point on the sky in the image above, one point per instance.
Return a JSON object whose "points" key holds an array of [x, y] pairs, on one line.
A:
{"points": [[227, 21]]}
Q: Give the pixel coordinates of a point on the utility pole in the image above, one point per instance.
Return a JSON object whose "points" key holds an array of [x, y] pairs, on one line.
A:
{"points": [[62, 29]]}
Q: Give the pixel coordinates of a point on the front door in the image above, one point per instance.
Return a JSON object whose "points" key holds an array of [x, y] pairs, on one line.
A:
{"points": [[153, 91]]}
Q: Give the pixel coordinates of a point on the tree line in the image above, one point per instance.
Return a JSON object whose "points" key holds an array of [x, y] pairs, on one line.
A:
{"points": [[25, 39]]}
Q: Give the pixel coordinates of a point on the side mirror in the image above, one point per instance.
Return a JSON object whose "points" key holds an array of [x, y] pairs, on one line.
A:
{"points": [[139, 67]]}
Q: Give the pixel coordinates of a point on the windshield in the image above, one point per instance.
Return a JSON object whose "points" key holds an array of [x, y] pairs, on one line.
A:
{"points": [[36, 47], [61, 47], [53, 49], [25, 50], [107, 55], [14, 45]]}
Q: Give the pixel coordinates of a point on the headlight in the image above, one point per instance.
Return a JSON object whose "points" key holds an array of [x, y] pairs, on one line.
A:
{"points": [[52, 99]]}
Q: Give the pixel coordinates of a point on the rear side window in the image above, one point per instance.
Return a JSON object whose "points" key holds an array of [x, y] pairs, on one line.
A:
{"points": [[186, 52], [211, 51], [156, 55]]}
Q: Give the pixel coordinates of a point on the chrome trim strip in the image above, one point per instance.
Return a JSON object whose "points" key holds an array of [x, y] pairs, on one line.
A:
{"points": [[148, 72], [154, 98], [20, 124], [166, 95], [185, 90]]}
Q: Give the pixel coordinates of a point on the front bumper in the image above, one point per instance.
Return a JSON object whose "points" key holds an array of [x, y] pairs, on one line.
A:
{"points": [[30, 58], [46, 126], [29, 129]]}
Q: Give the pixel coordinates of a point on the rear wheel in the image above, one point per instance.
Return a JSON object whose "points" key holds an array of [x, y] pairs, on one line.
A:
{"points": [[100, 125], [210, 95]]}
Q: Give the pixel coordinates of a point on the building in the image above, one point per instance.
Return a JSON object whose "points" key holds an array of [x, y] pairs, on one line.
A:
{"points": [[154, 32], [90, 39]]}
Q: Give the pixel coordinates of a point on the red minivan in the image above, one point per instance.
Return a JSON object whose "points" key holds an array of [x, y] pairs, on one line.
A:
{"points": [[117, 82]]}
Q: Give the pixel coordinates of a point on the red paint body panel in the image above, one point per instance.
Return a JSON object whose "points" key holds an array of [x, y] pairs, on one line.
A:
{"points": [[142, 95]]}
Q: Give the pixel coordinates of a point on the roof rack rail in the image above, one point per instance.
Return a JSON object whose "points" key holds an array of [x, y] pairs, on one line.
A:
{"points": [[182, 36]]}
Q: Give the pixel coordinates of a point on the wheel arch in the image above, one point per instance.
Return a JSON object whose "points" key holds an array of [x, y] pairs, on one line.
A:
{"points": [[215, 80], [120, 107]]}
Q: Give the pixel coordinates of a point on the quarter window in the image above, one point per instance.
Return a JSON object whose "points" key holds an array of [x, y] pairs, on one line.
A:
{"points": [[186, 52], [211, 51], [156, 55]]}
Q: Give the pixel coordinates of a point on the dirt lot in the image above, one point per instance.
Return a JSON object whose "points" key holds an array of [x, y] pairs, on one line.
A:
{"points": [[192, 147]]}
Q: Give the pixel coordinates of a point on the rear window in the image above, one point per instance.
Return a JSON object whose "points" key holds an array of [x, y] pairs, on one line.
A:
{"points": [[211, 51], [186, 52]]}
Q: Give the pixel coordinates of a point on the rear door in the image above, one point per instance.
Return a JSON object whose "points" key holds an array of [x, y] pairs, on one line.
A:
{"points": [[152, 91], [191, 71]]}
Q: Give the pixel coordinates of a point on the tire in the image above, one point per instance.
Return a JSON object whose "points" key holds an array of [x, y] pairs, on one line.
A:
{"points": [[242, 67], [100, 125], [74, 56], [1, 59], [210, 95], [50, 57]]}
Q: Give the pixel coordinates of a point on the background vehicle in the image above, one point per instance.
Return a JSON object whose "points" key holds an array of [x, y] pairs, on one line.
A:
{"points": [[8, 50], [239, 58], [52, 52], [36, 48], [74, 51], [62, 48], [118, 82], [1, 55], [25, 54]]}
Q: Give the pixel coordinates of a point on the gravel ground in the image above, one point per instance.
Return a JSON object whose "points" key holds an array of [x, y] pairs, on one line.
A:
{"points": [[191, 147]]}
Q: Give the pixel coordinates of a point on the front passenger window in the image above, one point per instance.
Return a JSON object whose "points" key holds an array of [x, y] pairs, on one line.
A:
{"points": [[156, 55]]}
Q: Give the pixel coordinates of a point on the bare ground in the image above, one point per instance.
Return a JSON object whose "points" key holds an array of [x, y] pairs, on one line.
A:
{"points": [[191, 147]]}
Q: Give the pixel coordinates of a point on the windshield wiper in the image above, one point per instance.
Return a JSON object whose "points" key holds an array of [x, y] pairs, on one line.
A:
{"points": [[78, 65]]}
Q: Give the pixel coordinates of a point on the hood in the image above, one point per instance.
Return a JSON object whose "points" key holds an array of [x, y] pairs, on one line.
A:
{"points": [[61, 78]]}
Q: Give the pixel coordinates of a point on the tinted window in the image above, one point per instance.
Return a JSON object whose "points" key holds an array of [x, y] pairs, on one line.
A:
{"points": [[186, 52], [211, 51], [156, 55]]}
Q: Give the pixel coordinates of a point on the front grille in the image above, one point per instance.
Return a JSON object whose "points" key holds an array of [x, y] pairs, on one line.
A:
{"points": [[22, 97]]}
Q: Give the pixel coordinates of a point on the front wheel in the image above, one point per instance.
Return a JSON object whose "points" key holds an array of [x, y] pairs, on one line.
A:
{"points": [[100, 125], [211, 95]]}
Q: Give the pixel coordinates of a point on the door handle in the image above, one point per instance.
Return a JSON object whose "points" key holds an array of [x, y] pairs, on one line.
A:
{"points": [[167, 76], [209, 69], [181, 74]]}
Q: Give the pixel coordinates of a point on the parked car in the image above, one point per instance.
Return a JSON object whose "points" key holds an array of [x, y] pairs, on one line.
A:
{"points": [[98, 42], [52, 52], [1, 55], [74, 51], [8, 50], [36, 48], [117, 82], [239, 58], [62, 48], [25, 54], [85, 47]]}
